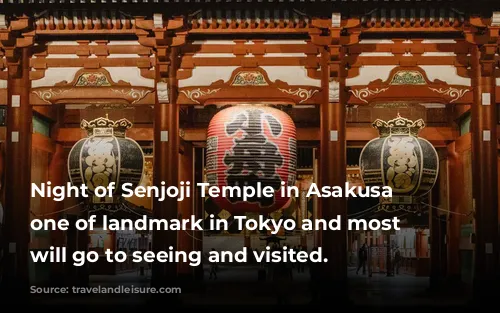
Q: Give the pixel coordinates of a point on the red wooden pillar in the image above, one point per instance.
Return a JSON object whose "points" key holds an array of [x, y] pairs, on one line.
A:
{"points": [[82, 244], [435, 272], [166, 162], [57, 176], [418, 244], [484, 122], [198, 208], [18, 178], [186, 238], [317, 205], [332, 172], [456, 197]]}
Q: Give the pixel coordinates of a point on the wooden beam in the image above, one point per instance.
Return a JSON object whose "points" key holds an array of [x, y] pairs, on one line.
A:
{"points": [[434, 134], [237, 31], [43, 63], [40, 142], [427, 30], [417, 47], [257, 48], [189, 61], [71, 135], [47, 111], [360, 61], [89, 50], [463, 143]]}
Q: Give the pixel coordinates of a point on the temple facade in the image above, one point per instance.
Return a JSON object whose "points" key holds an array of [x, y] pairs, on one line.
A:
{"points": [[334, 67]]}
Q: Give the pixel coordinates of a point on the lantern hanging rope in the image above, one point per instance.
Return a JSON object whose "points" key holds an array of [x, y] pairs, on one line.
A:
{"points": [[447, 211], [364, 212], [57, 212], [400, 159], [106, 156]]}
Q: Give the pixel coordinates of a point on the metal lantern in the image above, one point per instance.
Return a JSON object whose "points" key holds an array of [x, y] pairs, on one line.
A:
{"points": [[401, 160], [105, 156], [247, 145]]}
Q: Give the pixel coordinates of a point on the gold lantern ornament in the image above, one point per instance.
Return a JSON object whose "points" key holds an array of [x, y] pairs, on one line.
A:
{"points": [[400, 159], [106, 156]]}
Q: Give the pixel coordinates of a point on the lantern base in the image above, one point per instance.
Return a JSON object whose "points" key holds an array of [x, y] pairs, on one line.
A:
{"points": [[107, 204], [400, 203]]}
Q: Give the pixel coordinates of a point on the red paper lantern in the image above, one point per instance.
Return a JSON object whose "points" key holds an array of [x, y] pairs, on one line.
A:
{"points": [[247, 145]]}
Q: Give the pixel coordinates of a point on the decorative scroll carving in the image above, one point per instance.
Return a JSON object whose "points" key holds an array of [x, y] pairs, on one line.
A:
{"points": [[451, 92], [47, 94], [410, 84], [304, 94], [364, 93], [90, 87], [135, 94], [408, 78], [194, 94], [252, 85], [246, 78]]}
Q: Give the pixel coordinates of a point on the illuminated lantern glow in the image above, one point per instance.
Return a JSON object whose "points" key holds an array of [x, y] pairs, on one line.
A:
{"points": [[248, 144], [401, 160], [106, 156]]}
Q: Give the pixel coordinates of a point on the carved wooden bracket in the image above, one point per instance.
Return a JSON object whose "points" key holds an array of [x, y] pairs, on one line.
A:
{"points": [[482, 31], [334, 34], [410, 84], [486, 38], [249, 85], [488, 58], [91, 87], [142, 23], [173, 35], [14, 36]]}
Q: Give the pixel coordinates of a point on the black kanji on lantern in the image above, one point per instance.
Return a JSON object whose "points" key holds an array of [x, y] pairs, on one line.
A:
{"points": [[253, 158]]}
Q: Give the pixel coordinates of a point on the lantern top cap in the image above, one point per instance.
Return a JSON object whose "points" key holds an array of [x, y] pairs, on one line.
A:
{"points": [[398, 126], [106, 126]]}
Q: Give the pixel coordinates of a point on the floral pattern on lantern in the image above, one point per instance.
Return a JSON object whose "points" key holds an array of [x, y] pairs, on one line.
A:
{"points": [[247, 145], [106, 156], [401, 160]]}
